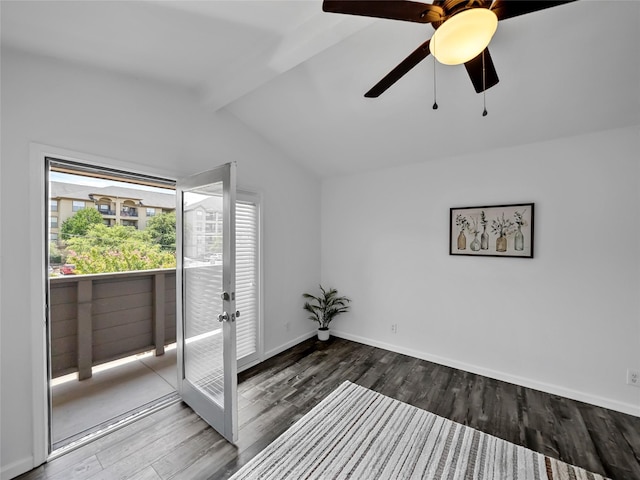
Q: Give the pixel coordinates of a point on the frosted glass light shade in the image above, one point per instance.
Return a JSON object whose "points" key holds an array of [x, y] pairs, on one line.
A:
{"points": [[463, 36]]}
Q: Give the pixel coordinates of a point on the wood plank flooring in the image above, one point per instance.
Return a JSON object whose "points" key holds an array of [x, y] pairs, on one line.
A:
{"points": [[176, 444]]}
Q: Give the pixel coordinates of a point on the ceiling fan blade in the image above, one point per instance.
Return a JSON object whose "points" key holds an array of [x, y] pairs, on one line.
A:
{"points": [[474, 69], [394, 9], [397, 73], [512, 8]]}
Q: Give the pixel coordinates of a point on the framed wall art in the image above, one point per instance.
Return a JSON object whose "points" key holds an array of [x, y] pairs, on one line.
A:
{"points": [[492, 231]]}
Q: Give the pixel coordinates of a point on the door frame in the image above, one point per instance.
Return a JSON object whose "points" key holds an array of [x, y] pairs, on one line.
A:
{"points": [[38, 279], [253, 196]]}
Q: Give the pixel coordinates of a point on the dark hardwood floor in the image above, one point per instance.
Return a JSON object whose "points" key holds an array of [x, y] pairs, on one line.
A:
{"points": [[174, 443]]}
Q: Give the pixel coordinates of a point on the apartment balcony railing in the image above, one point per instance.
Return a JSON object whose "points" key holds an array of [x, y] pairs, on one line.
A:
{"points": [[103, 317], [107, 212], [128, 213]]}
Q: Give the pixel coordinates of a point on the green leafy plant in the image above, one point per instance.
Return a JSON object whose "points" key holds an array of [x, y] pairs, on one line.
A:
{"points": [[78, 224], [56, 256], [325, 307], [116, 249], [162, 230]]}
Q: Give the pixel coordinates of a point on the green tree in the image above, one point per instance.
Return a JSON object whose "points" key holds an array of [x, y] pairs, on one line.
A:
{"points": [[56, 256], [162, 230], [79, 223], [116, 249], [103, 237]]}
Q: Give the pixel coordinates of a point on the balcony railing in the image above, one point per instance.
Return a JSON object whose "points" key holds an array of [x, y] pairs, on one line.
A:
{"points": [[128, 213], [103, 317], [107, 212]]}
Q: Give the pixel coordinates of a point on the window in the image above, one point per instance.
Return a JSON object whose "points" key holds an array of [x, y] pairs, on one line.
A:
{"points": [[53, 205], [128, 211], [151, 212], [77, 205], [54, 222], [53, 237], [104, 209]]}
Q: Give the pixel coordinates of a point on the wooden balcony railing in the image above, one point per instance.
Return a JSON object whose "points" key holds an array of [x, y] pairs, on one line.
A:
{"points": [[103, 317]]}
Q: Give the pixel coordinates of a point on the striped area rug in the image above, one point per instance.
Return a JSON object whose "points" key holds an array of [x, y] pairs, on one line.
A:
{"points": [[356, 433]]}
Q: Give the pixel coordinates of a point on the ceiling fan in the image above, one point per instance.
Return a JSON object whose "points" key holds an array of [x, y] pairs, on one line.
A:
{"points": [[464, 29]]}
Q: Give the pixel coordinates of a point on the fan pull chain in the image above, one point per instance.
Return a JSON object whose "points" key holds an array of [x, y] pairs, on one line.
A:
{"points": [[435, 103], [484, 88]]}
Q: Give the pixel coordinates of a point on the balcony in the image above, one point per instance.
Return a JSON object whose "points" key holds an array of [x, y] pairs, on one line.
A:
{"points": [[129, 213], [107, 212], [109, 334], [103, 317]]}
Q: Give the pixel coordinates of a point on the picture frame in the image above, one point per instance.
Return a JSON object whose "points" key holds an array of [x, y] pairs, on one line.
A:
{"points": [[492, 230]]}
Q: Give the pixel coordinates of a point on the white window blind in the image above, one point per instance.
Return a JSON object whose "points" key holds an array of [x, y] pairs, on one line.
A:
{"points": [[247, 279]]}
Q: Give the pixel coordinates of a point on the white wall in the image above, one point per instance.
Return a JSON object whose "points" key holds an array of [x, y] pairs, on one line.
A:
{"points": [[152, 128], [567, 321]]}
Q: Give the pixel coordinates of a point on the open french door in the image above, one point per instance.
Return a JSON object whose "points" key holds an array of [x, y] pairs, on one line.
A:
{"points": [[206, 298]]}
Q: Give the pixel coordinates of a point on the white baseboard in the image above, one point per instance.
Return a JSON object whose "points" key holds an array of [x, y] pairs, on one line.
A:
{"points": [[250, 364], [609, 403], [289, 344], [16, 468]]}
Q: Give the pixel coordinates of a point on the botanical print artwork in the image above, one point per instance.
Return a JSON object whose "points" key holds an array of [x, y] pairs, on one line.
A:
{"points": [[492, 231]]}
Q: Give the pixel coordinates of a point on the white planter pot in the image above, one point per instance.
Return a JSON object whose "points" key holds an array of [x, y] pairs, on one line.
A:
{"points": [[323, 334]]}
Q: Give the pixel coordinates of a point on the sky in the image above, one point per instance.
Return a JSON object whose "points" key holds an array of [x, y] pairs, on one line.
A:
{"points": [[98, 182]]}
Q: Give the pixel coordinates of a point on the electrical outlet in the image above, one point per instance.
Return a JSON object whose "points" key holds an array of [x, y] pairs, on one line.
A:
{"points": [[394, 328], [633, 377]]}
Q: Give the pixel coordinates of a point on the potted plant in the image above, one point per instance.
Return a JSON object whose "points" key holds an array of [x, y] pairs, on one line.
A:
{"points": [[324, 308]]}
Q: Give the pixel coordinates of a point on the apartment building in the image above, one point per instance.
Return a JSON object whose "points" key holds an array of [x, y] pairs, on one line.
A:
{"points": [[130, 207]]}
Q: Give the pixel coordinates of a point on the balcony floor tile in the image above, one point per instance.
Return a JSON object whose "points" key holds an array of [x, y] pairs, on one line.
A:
{"points": [[79, 406]]}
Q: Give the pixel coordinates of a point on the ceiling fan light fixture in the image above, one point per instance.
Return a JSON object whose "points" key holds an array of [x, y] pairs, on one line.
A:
{"points": [[463, 36]]}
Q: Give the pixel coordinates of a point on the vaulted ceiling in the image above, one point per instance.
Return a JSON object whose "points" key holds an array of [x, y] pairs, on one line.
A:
{"points": [[297, 75]]}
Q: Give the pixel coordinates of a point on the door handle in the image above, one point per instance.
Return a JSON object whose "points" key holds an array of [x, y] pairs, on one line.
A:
{"points": [[224, 316]]}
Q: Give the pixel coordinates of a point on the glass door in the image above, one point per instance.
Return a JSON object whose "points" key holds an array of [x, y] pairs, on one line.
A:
{"points": [[206, 297]]}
